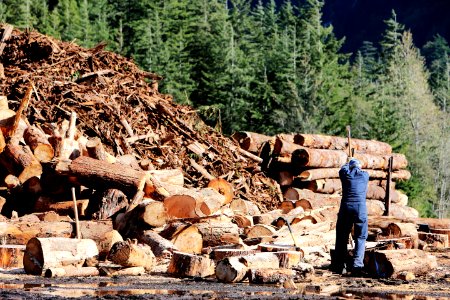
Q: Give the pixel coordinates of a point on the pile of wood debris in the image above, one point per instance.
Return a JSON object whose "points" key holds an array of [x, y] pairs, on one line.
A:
{"points": [[152, 185]]}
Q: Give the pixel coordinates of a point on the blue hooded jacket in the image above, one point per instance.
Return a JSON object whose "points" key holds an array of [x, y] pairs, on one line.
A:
{"points": [[354, 184]]}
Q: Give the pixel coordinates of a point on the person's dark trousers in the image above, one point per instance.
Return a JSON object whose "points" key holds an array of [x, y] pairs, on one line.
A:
{"points": [[350, 213]]}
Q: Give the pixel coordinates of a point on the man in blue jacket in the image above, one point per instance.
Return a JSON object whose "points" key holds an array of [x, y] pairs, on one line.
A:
{"points": [[352, 212]]}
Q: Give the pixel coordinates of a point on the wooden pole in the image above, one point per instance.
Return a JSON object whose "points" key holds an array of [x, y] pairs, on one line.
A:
{"points": [[75, 210], [387, 199], [349, 141]]}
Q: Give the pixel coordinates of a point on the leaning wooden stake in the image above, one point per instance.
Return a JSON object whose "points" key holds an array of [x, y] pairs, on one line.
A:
{"points": [[387, 200], [75, 210]]}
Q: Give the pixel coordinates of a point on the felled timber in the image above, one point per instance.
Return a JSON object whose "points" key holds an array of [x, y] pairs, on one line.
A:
{"points": [[106, 203], [19, 232], [190, 265], [44, 204], [250, 141], [327, 186], [148, 214], [71, 271], [390, 263], [234, 269], [219, 254], [39, 144], [160, 246], [44, 253], [260, 230], [436, 240], [434, 223], [97, 173], [318, 202], [223, 187], [324, 158], [271, 276], [168, 176], [284, 148], [341, 143], [403, 212], [244, 207], [20, 161], [131, 254], [298, 194]]}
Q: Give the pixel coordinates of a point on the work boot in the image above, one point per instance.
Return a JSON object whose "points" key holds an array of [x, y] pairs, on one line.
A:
{"points": [[356, 272]]}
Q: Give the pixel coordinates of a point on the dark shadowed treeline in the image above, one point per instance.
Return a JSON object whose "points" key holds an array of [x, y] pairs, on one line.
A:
{"points": [[273, 69]]}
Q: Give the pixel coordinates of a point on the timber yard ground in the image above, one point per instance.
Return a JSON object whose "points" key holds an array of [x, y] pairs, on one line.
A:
{"points": [[323, 285]]}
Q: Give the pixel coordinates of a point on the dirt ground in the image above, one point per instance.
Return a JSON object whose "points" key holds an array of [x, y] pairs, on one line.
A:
{"points": [[323, 285]]}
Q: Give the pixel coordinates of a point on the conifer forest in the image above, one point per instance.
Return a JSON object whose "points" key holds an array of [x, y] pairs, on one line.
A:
{"points": [[275, 67]]}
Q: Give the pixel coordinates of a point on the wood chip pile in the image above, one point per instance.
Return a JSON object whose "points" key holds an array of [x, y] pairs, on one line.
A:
{"points": [[153, 186]]}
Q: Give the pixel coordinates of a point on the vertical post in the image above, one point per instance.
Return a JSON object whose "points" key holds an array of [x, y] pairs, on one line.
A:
{"points": [[387, 200], [75, 209]]}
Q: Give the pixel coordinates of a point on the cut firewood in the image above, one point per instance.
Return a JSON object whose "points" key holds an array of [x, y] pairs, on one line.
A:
{"points": [[160, 246], [231, 269], [101, 232], [71, 271], [240, 206], [146, 215], [190, 265], [223, 187], [11, 256], [19, 232], [219, 254], [130, 254], [390, 263], [341, 143], [39, 144], [260, 230], [99, 173], [44, 253]]}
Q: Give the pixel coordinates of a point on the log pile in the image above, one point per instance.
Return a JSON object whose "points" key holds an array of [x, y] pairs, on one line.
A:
{"points": [[152, 185]]}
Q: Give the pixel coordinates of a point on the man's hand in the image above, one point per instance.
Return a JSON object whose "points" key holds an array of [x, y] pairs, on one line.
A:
{"points": [[349, 158]]}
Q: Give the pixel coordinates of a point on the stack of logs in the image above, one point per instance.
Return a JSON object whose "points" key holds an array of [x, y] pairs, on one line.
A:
{"points": [[136, 218]]}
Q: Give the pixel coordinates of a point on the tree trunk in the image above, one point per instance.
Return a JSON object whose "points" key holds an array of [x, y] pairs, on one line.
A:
{"points": [[102, 174], [318, 202], [322, 158], [250, 141], [146, 215], [321, 173], [20, 161], [434, 223], [160, 246], [219, 254], [19, 232], [244, 207], [71, 271], [130, 254], [189, 265], [215, 234], [231, 269], [271, 276], [284, 148], [390, 263], [44, 253], [340, 143], [326, 186]]}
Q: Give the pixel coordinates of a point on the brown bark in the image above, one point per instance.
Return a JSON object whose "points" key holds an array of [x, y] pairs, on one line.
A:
{"points": [[39, 144], [434, 223], [341, 143], [403, 212], [190, 265], [101, 232], [95, 172], [250, 141], [107, 203], [219, 254], [160, 246], [243, 221], [130, 254], [441, 231], [284, 148], [11, 256], [44, 253], [20, 161], [146, 215], [327, 186], [324, 158], [217, 233], [315, 203], [51, 216], [19, 232], [298, 194], [390, 263]]}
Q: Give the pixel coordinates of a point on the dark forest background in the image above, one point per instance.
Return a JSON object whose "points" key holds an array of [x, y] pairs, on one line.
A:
{"points": [[287, 66]]}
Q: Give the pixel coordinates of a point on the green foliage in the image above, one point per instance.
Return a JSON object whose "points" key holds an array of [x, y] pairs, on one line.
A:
{"points": [[250, 65]]}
